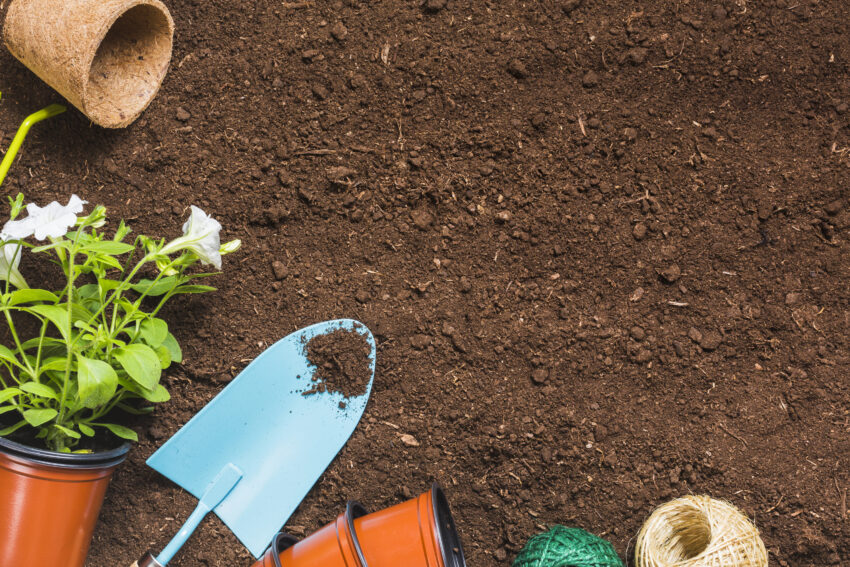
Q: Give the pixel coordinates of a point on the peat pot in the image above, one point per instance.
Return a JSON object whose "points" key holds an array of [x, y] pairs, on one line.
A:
{"points": [[49, 503]]}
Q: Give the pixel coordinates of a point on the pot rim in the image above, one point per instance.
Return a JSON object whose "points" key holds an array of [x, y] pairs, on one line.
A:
{"points": [[354, 510], [445, 531], [99, 460]]}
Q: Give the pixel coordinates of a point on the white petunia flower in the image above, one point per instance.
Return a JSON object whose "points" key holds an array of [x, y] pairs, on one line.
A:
{"points": [[201, 236], [10, 259], [52, 221], [17, 229]]}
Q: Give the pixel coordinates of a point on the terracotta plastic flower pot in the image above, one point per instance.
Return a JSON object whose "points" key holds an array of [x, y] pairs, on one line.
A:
{"points": [[49, 503], [416, 533], [331, 546]]}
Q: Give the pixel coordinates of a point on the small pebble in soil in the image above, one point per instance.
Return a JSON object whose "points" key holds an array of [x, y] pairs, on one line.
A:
{"points": [[319, 91], [710, 340], [279, 270], [636, 55], [434, 6], [503, 216], [421, 218], [420, 341], [540, 375], [694, 334], [834, 207], [182, 114], [311, 55], [590, 79], [671, 273], [539, 121], [517, 68], [569, 5], [409, 440], [639, 231], [339, 32]]}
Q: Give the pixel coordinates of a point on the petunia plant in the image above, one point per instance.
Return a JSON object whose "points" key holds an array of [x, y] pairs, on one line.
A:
{"points": [[94, 344]]}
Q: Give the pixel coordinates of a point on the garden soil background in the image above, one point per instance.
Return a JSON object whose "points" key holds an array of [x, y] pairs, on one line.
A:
{"points": [[603, 247]]}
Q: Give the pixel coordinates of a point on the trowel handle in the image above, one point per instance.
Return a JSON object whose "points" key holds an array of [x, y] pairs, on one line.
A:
{"points": [[189, 527], [217, 491]]}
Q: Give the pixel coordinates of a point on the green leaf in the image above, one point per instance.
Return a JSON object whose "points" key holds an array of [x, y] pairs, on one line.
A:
{"points": [[173, 348], [69, 432], [164, 357], [60, 244], [157, 395], [7, 409], [80, 313], [30, 295], [86, 430], [13, 428], [56, 314], [8, 394], [153, 331], [36, 417], [54, 363], [161, 287], [194, 289], [96, 382], [134, 411], [41, 390], [88, 291], [7, 354], [120, 431], [141, 364], [110, 261], [108, 247]]}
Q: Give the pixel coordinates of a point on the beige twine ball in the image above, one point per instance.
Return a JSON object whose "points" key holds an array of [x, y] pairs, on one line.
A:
{"points": [[699, 531]]}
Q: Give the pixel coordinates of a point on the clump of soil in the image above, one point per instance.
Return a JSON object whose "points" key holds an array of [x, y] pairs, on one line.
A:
{"points": [[341, 359]]}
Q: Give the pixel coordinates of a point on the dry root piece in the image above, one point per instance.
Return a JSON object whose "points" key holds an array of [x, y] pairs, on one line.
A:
{"points": [[699, 531]]}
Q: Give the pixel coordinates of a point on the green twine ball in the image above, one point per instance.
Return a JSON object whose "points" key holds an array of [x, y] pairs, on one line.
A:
{"points": [[567, 547]]}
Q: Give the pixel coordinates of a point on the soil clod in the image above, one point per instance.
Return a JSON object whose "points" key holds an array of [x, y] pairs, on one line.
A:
{"points": [[342, 362]]}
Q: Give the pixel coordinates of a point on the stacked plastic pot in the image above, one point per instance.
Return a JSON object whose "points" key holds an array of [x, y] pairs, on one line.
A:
{"points": [[416, 533]]}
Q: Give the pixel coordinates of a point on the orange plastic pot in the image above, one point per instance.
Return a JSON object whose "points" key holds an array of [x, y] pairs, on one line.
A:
{"points": [[416, 533], [331, 546], [49, 503]]}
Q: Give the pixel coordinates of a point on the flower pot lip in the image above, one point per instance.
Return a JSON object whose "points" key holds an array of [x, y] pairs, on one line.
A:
{"points": [[281, 543], [354, 510], [445, 531], [99, 460]]}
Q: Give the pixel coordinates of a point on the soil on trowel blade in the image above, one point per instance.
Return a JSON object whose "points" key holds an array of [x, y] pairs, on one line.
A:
{"points": [[342, 365]]}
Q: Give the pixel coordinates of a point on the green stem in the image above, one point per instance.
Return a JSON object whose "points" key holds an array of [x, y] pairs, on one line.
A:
{"points": [[115, 294], [69, 357], [11, 324]]}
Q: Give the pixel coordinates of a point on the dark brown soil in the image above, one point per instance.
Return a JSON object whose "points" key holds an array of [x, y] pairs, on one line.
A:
{"points": [[603, 247], [342, 363]]}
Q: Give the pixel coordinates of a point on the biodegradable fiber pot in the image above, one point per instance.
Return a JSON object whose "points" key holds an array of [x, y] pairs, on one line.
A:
{"points": [[49, 503], [107, 57]]}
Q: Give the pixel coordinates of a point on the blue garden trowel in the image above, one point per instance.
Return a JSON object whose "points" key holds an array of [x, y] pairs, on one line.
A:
{"points": [[252, 454]]}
